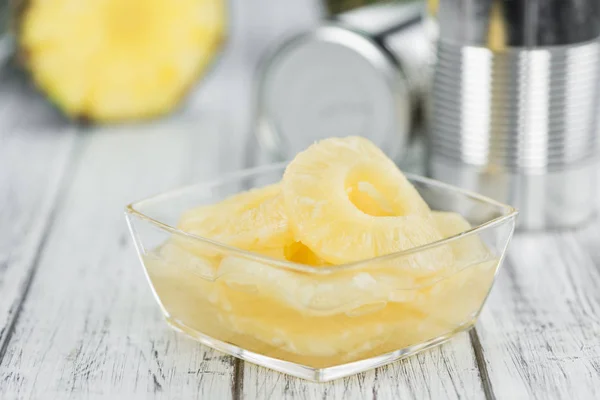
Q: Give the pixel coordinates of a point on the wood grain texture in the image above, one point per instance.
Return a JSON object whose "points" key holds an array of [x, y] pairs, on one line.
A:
{"points": [[540, 329], [446, 372], [33, 166], [90, 326]]}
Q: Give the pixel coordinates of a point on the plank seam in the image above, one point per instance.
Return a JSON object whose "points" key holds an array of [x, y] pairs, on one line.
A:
{"points": [[64, 183], [481, 365], [237, 388]]}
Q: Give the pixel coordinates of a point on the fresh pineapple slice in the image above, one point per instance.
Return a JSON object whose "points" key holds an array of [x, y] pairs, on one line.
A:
{"points": [[323, 216], [111, 60], [253, 220]]}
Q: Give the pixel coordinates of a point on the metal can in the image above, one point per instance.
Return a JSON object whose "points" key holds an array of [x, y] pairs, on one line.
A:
{"points": [[361, 73], [515, 100]]}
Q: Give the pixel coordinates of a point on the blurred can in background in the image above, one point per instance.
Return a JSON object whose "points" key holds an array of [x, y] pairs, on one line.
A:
{"points": [[514, 104], [363, 72]]}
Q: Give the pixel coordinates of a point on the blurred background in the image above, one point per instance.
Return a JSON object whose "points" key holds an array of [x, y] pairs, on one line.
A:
{"points": [[496, 96], [231, 38]]}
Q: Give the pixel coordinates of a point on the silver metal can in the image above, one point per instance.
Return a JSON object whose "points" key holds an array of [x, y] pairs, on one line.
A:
{"points": [[360, 74], [514, 104]]}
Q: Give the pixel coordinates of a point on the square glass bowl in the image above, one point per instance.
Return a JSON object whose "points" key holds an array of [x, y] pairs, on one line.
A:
{"points": [[317, 323]]}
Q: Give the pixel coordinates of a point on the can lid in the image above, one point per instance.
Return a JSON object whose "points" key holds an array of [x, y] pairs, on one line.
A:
{"points": [[332, 81]]}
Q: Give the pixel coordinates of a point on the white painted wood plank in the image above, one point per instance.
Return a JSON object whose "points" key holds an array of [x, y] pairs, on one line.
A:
{"points": [[32, 166], [446, 372], [90, 326], [540, 329]]}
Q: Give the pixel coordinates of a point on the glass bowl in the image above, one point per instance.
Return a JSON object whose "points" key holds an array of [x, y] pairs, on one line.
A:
{"points": [[316, 323]]}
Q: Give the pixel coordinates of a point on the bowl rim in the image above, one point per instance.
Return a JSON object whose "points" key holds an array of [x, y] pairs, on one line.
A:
{"points": [[130, 210]]}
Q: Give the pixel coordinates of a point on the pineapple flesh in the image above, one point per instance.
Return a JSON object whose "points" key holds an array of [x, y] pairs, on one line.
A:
{"points": [[316, 187], [340, 201], [253, 220], [113, 60]]}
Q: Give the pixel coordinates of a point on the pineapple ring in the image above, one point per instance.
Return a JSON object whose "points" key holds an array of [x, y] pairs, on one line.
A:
{"points": [[297, 252], [329, 339], [323, 216], [319, 318], [468, 250], [353, 293], [253, 220], [332, 338], [184, 255]]}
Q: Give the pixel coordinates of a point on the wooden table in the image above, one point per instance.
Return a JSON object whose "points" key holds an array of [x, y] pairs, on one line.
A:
{"points": [[77, 319]]}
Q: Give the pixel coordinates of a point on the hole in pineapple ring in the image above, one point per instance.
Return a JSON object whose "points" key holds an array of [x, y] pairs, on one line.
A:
{"points": [[366, 309], [366, 190]]}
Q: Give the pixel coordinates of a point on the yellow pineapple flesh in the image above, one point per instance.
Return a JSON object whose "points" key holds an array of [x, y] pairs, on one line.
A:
{"points": [[110, 60], [467, 250], [318, 188], [253, 220], [340, 201]]}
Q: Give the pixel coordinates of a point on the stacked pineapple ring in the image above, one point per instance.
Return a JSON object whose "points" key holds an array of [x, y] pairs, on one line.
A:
{"points": [[340, 201]]}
